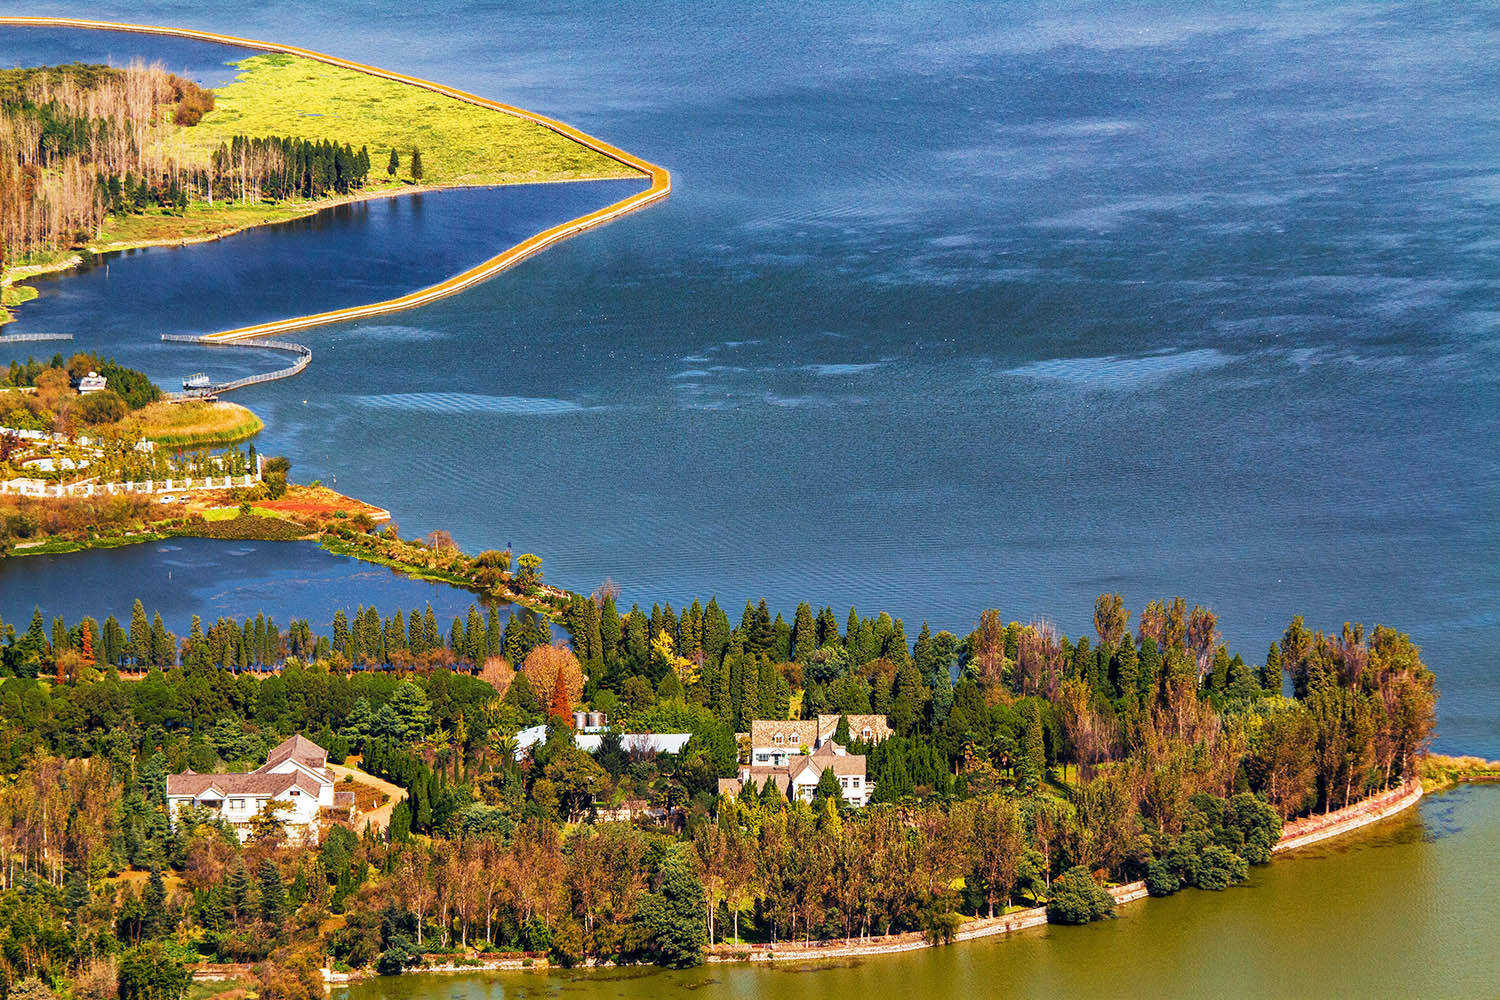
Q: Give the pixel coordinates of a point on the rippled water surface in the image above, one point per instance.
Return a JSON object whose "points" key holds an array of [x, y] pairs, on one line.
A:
{"points": [[957, 306]]}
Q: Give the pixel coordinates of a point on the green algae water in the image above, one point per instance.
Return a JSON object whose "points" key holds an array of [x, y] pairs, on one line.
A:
{"points": [[1406, 908]]}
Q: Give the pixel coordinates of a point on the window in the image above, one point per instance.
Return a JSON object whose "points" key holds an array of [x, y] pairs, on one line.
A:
{"points": [[777, 739], [762, 757], [844, 782], [236, 803], [856, 782], [865, 733]]}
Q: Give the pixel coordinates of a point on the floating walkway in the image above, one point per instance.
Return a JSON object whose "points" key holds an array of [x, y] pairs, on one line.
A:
{"points": [[33, 338], [660, 187], [304, 358]]}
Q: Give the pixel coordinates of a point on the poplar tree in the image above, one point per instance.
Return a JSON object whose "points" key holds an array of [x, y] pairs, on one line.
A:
{"points": [[394, 164], [416, 164]]}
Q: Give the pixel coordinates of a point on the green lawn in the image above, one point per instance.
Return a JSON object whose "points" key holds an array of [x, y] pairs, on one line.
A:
{"points": [[461, 143]]}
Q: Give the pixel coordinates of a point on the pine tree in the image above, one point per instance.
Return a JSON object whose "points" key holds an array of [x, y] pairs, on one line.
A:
{"points": [[416, 164], [140, 635], [492, 633], [155, 905], [394, 164], [239, 890], [1270, 672], [804, 634], [272, 894]]}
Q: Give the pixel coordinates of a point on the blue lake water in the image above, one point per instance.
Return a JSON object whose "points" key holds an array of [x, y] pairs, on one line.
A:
{"points": [[953, 306], [183, 577]]}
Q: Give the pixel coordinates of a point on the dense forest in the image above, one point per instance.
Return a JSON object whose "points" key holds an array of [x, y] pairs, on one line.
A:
{"points": [[1026, 766], [79, 142]]}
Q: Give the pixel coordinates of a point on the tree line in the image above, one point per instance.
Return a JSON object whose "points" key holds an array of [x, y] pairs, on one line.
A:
{"points": [[1026, 767]]}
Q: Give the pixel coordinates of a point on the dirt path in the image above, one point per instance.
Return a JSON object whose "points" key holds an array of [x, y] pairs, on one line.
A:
{"points": [[379, 817]]}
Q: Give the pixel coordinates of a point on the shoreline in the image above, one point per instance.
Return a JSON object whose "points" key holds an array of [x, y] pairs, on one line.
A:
{"points": [[660, 179], [1297, 835]]}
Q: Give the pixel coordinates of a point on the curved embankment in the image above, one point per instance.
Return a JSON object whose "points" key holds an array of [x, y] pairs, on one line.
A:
{"points": [[660, 187]]}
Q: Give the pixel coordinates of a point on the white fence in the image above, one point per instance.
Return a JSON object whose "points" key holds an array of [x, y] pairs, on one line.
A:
{"points": [[45, 490]]}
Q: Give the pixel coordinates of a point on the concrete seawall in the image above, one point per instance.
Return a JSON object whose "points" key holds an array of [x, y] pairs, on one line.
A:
{"points": [[660, 186]]}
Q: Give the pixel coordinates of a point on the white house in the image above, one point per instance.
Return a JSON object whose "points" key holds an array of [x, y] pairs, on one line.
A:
{"points": [[295, 776], [775, 742], [590, 738], [802, 773]]}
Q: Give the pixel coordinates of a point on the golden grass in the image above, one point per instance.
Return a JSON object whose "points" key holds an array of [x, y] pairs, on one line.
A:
{"points": [[194, 422], [284, 95]]}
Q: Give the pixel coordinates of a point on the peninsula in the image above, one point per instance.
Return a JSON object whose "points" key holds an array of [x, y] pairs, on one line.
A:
{"points": [[296, 132]]}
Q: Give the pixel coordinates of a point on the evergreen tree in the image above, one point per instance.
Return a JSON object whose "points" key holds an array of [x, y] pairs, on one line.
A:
{"points": [[609, 631], [804, 634], [272, 894], [140, 635], [154, 901], [394, 164], [1031, 768], [416, 164], [1270, 672], [669, 920], [492, 633]]}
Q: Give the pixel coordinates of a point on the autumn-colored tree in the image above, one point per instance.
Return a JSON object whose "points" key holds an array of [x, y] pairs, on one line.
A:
{"points": [[1110, 618], [496, 672], [562, 705], [545, 664]]}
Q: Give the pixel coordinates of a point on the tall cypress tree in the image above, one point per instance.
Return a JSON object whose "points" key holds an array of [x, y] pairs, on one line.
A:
{"points": [[394, 164], [804, 634]]}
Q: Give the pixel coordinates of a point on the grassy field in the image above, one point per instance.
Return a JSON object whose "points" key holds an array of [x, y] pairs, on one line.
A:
{"points": [[195, 423], [201, 221], [14, 295], [283, 95]]}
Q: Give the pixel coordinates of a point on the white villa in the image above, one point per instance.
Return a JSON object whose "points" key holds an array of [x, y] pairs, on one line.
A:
{"points": [[774, 742], [800, 777], [295, 776]]}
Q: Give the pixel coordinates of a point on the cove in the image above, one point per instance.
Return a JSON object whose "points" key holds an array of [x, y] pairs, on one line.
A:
{"points": [[182, 577], [1346, 919]]}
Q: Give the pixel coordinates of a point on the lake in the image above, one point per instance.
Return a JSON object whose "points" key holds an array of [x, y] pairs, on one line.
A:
{"points": [[953, 306]]}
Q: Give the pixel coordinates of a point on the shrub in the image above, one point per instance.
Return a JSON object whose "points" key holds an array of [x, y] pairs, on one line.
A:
{"points": [[1216, 869], [1077, 899], [1162, 879]]}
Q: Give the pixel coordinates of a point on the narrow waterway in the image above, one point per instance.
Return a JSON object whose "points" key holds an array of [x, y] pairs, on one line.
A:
{"points": [[1404, 909], [182, 577]]}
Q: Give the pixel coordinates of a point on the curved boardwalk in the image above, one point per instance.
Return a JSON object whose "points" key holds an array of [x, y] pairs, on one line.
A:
{"points": [[304, 358], [660, 187]]}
